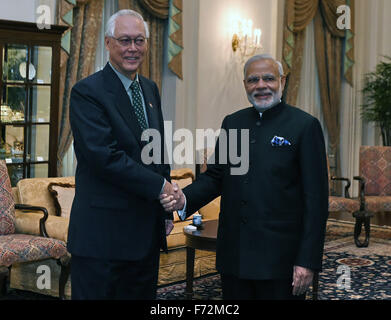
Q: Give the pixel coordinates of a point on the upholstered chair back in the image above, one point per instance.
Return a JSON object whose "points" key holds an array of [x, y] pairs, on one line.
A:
{"points": [[375, 168]]}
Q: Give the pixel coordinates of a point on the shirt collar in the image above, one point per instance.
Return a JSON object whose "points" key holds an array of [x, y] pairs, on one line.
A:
{"points": [[261, 113], [125, 80]]}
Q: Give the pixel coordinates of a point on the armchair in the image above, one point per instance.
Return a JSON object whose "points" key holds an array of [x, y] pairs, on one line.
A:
{"points": [[22, 247], [354, 206], [375, 186]]}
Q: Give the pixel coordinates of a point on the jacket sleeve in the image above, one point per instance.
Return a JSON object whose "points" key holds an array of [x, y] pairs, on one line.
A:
{"points": [[314, 177], [93, 138], [208, 185]]}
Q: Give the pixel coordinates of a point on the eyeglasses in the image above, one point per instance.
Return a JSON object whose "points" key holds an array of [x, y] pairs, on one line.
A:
{"points": [[127, 42]]}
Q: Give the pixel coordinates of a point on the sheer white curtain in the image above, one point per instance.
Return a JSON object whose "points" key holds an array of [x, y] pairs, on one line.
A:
{"points": [[101, 58], [308, 98]]}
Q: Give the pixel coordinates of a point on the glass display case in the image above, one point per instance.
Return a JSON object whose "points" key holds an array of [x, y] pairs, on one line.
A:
{"points": [[29, 98]]}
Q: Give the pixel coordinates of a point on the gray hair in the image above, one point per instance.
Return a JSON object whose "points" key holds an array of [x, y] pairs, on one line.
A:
{"points": [[110, 26], [264, 56]]}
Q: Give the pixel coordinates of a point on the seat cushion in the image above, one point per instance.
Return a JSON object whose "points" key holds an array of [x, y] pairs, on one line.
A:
{"points": [[23, 247], [7, 203], [341, 204], [378, 204]]}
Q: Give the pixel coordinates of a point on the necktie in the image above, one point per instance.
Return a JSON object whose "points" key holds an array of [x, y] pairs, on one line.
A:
{"points": [[138, 105]]}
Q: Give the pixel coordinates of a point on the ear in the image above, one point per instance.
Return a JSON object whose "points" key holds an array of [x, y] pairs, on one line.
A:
{"points": [[107, 42]]}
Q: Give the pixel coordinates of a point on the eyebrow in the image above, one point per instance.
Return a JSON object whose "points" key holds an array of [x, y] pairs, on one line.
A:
{"points": [[128, 36], [262, 76]]}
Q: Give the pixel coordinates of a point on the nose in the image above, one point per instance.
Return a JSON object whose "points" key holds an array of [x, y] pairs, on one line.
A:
{"points": [[261, 84], [132, 46]]}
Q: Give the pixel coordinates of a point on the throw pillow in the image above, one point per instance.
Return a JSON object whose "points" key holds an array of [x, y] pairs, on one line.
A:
{"points": [[63, 194], [7, 203]]}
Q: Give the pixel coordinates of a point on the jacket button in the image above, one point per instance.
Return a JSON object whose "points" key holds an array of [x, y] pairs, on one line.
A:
{"points": [[258, 123]]}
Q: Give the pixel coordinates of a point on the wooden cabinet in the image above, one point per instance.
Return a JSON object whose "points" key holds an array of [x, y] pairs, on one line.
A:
{"points": [[29, 89]]}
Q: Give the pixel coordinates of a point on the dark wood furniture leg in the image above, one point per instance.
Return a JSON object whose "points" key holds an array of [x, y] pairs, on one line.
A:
{"points": [[64, 275], [362, 218]]}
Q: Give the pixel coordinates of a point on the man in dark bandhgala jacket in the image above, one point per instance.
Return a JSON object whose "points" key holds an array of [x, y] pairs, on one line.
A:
{"points": [[273, 216]]}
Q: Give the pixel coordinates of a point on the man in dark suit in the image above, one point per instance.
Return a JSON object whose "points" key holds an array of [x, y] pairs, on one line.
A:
{"points": [[117, 225], [273, 217]]}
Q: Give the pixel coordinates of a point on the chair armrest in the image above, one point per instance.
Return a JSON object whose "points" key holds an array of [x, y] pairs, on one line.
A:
{"points": [[361, 181], [347, 195], [56, 227], [42, 228]]}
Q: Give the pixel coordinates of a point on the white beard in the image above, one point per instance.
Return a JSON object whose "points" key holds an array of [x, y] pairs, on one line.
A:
{"points": [[263, 107]]}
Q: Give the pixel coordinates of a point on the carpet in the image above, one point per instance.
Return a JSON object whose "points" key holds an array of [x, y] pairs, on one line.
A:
{"points": [[349, 273]]}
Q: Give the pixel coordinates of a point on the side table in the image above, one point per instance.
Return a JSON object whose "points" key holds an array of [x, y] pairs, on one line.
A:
{"points": [[203, 239]]}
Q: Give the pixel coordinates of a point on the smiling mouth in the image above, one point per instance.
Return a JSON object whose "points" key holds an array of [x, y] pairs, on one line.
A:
{"points": [[131, 59], [263, 96]]}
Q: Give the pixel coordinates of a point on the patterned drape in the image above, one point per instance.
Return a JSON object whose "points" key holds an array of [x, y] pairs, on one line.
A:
{"points": [[171, 10], [156, 13], [331, 43], [84, 17], [298, 14], [152, 66]]}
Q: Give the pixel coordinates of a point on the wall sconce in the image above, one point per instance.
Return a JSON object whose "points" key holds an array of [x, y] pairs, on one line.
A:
{"points": [[245, 40]]}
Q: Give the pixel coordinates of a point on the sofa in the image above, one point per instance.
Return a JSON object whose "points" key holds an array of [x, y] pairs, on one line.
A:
{"points": [[56, 195]]}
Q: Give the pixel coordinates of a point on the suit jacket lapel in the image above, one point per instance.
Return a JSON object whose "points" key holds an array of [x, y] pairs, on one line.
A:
{"points": [[122, 102]]}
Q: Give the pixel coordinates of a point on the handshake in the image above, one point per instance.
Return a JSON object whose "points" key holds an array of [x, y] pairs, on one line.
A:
{"points": [[172, 197]]}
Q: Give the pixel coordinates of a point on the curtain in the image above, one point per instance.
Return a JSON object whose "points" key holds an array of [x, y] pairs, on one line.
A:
{"points": [[298, 14], [157, 13], [334, 57], [152, 66], [309, 92], [171, 10], [101, 54], [77, 58], [329, 62]]}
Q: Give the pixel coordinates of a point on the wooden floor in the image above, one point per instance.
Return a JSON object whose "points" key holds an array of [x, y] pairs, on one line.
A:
{"points": [[380, 219]]}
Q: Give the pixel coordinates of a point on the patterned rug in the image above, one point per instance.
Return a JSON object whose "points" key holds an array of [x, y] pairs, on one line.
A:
{"points": [[349, 273]]}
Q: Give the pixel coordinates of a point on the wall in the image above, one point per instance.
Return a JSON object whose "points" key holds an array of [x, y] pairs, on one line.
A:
{"points": [[212, 86], [220, 86]]}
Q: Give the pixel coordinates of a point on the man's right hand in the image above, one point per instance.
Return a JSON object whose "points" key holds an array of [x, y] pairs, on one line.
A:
{"points": [[172, 197]]}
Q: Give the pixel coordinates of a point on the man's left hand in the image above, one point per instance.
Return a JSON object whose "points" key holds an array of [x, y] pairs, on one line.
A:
{"points": [[169, 226], [302, 278]]}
